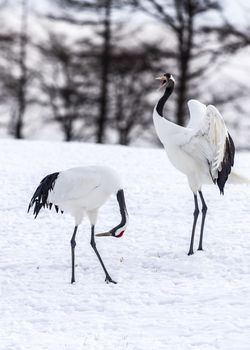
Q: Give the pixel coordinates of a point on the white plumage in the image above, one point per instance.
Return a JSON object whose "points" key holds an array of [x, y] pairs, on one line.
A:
{"points": [[210, 134], [203, 151], [82, 191], [196, 150]]}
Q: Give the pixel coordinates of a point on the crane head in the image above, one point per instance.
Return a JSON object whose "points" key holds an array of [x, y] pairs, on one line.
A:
{"points": [[115, 232], [166, 79], [118, 230]]}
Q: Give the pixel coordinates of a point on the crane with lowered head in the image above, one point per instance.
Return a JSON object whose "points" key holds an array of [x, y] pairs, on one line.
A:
{"points": [[82, 191]]}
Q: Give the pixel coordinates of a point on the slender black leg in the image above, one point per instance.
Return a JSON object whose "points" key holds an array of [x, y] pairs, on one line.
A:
{"points": [[93, 244], [73, 244], [204, 212], [196, 214]]}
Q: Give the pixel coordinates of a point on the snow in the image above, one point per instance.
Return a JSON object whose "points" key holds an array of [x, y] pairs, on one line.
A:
{"points": [[163, 300]]}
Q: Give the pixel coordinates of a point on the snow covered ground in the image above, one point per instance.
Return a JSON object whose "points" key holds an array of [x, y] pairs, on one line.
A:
{"points": [[164, 300]]}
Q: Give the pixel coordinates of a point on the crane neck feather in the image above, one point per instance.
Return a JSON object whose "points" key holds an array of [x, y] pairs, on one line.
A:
{"points": [[118, 230], [168, 91]]}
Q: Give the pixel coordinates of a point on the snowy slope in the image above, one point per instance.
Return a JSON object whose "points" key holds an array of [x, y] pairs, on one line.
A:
{"points": [[163, 300]]}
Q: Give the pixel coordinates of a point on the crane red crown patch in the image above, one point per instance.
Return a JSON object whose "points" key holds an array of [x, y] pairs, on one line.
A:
{"points": [[120, 234]]}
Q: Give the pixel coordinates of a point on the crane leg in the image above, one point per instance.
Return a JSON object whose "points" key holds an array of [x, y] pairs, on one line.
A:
{"points": [[93, 245], [204, 212], [73, 244], [196, 214]]}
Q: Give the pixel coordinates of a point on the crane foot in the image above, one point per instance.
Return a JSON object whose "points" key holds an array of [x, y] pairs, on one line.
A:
{"points": [[108, 280]]}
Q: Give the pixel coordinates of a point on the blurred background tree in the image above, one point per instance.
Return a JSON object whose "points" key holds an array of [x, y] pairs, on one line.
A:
{"points": [[14, 71], [84, 69]]}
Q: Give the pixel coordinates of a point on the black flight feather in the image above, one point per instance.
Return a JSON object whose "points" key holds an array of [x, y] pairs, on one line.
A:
{"points": [[40, 197], [227, 163]]}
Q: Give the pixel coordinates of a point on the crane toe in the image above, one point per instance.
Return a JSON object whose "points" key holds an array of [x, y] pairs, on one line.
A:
{"points": [[108, 280]]}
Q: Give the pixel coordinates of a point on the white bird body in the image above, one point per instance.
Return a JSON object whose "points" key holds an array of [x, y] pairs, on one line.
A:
{"points": [[198, 149], [203, 151], [83, 190], [80, 191]]}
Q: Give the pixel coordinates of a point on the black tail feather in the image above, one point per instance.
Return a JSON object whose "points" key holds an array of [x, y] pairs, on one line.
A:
{"points": [[227, 163], [40, 197]]}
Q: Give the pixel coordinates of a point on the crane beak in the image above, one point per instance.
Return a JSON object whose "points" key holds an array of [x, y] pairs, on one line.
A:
{"points": [[104, 234], [161, 77]]}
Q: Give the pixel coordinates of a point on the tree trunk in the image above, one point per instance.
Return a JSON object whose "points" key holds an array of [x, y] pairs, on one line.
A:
{"points": [[123, 138], [105, 63], [185, 43], [21, 96], [68, 130], [182, 92]]}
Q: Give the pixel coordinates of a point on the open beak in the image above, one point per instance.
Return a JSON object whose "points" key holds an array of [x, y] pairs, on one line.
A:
{"points": [[104, 234], [163, 79]]}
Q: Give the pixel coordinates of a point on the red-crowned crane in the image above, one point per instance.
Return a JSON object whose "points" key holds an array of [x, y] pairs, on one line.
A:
{"points": [[203, 151], [82, 191]]}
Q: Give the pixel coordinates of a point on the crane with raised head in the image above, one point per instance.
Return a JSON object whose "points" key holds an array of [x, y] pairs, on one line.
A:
{"points": [[203, 151]]}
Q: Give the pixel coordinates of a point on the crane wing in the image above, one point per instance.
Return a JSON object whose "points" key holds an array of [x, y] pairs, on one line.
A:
{"points": [[212, 141], [222, 145], [205, 138], [197, 112], [74, 183]]}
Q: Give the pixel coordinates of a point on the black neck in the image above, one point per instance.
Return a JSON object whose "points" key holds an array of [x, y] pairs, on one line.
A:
{"points": [[163, 99], [122, 205], [123, 210]]}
